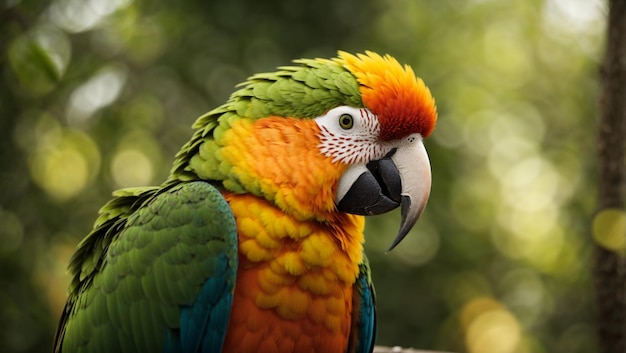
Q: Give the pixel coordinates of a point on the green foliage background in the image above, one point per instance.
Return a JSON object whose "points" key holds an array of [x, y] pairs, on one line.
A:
{"points": [[99, 94]]}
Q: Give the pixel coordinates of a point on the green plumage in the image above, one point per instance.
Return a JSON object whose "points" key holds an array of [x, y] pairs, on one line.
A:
{"points": [[161, 246]]}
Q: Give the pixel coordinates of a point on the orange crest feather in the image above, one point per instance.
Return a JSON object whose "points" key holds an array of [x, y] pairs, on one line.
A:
{"points": [[401, 100]]}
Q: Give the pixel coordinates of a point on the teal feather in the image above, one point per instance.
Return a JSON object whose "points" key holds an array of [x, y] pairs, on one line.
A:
{"points": [[363, 333]]}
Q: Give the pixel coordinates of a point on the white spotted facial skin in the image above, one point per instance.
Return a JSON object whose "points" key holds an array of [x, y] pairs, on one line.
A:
{"points": [[351, 135], [356, 144]]}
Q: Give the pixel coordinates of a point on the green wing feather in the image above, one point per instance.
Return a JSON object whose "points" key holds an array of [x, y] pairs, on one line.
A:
{"points": [[137, 276]]}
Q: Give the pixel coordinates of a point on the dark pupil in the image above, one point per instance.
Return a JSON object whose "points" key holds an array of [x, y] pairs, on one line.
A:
{"points": [[346, 120]]}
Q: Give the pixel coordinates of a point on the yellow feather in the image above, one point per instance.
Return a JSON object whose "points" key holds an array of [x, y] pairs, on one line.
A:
{"points": [[314, 283], [254, 251], [293, 263], [294, 304], [317, 249]]}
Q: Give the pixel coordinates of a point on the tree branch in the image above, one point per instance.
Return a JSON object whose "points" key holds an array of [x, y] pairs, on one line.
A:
{"points": [[382, 349], [609, 266]]}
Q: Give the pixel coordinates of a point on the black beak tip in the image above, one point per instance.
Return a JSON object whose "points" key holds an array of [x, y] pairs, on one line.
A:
{"points": [[395, 242], [407, 223], [404, 230]]}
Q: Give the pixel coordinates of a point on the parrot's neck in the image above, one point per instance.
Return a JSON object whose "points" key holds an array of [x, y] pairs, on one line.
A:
{"points": [[294, 281]]}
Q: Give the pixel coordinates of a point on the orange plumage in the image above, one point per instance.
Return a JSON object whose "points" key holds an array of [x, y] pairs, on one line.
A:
{"points": [[400, 99], [295, 275]]}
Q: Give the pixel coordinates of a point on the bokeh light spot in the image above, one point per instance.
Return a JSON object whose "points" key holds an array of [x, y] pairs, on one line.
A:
{"points": [[609, 229], [79, 15], [131, 167], [62, 172], [64, 162], [99, 91], [573, 15], [39, 58], [525, 294], [489, 328]]}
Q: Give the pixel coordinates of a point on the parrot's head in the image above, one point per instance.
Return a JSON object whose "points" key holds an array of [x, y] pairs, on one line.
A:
{"points": [[323, 137], [383, 141]]}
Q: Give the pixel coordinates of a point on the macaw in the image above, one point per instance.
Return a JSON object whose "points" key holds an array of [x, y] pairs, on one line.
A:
{"points": [[255, 241]]}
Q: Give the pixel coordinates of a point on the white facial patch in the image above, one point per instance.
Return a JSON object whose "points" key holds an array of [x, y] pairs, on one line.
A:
{"points": [[351, 145]]}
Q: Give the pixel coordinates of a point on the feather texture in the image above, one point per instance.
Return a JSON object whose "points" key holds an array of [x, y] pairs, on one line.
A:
{"points": [[164, 280]]}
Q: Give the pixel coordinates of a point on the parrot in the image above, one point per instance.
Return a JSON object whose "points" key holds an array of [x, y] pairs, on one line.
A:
{"points": [[255, 240]]}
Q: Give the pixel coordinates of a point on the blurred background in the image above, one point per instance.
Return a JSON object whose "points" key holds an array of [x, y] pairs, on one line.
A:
{"points": [[98, 95]]}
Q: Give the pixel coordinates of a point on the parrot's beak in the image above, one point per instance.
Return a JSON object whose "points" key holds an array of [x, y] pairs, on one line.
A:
{"points": [[402, 178]]}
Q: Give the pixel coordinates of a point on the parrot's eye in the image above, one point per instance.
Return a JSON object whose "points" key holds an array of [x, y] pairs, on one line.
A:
{"points": [[346, 122]]}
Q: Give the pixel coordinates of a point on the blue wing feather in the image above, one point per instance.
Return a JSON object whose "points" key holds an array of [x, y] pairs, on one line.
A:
{"points": [[363, 335], [203, 325]]}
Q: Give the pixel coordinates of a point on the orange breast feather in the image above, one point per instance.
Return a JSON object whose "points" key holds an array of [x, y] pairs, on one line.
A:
{"points": [[294, 281]]}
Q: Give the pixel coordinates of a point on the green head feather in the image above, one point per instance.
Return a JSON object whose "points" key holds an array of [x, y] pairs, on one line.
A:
{"points": [[305, 90]]}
